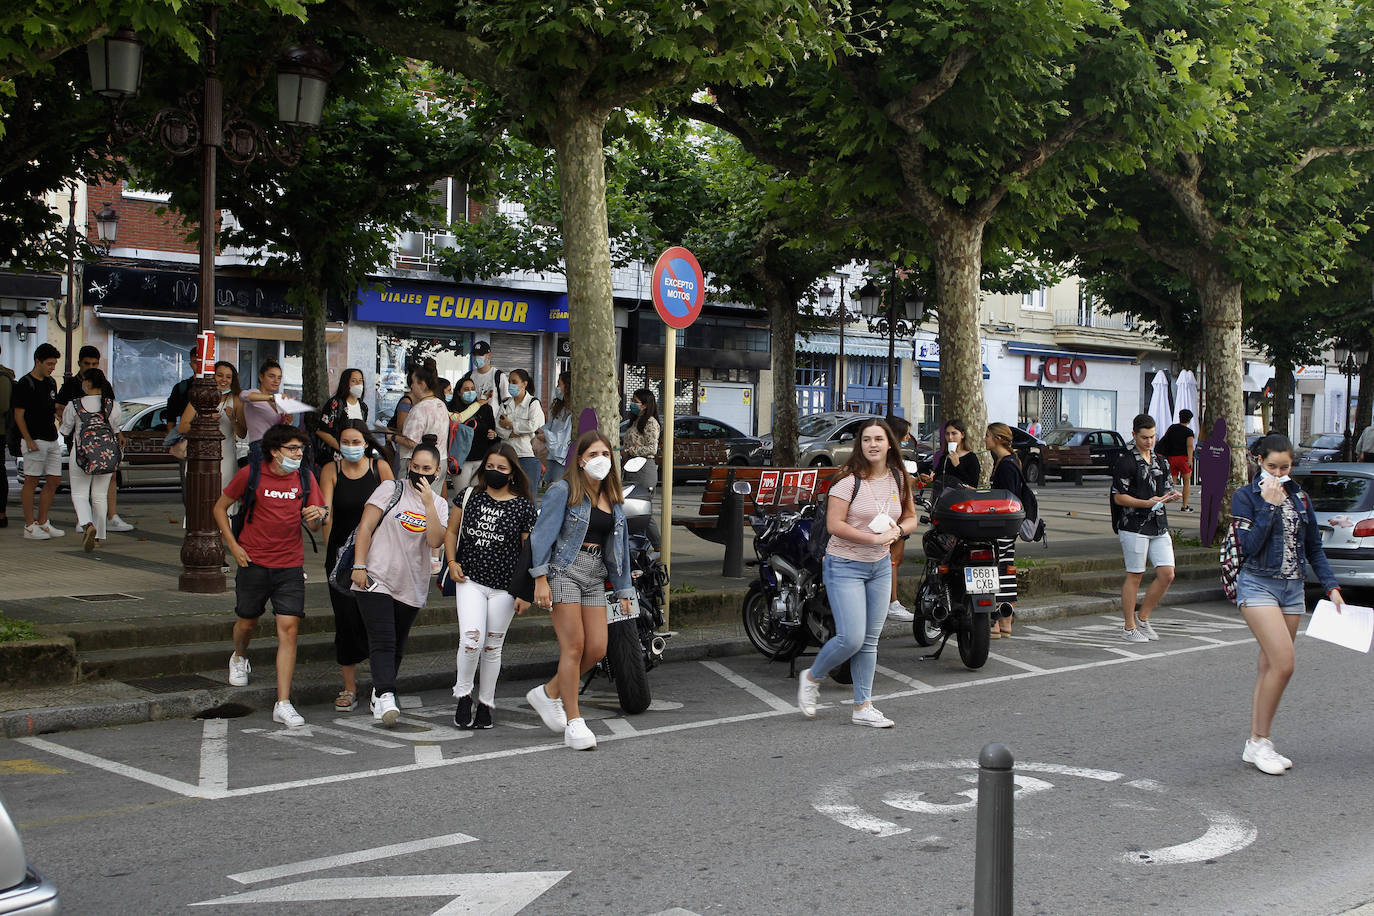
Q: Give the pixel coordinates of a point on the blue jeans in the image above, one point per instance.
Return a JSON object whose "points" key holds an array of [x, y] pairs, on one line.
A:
{"points": [[858, 593], [534, 472]]}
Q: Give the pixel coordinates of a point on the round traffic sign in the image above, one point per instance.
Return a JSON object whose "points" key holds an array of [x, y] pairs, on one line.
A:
{"points": [[679, 287]]}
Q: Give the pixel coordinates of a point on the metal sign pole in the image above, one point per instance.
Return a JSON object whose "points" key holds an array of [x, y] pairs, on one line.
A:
{"points": [[669, 409]]}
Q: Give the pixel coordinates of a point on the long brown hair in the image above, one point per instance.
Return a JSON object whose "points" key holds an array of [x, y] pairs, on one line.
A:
{"points": [[858, 464], [576, 477], [519, 483]]}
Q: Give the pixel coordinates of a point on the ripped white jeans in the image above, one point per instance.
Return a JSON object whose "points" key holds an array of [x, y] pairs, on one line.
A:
{"points": [[484, 614]]}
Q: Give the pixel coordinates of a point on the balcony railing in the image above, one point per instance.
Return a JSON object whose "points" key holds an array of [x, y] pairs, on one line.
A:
{"points": [[420, 250], [1094, 320]]}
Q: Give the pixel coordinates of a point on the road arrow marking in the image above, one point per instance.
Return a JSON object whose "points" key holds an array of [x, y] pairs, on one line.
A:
{"points": [[351, 858], [497, 894]]}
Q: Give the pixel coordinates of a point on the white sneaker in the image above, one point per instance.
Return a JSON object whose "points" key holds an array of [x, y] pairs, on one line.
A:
{"points": [[1260, 752], [1134, 636], [238, 670], [868, 715], [1144, 628], [34, 533], [286, 714], [115, 523], [895, 611], [52, 530], [384, 708], [551, 711], [808, 693], [578, 736]]}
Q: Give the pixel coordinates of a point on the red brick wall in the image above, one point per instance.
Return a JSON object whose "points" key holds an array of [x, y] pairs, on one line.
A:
{"points": [[140, 226]]}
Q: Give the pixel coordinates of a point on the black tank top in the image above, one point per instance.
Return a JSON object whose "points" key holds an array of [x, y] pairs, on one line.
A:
{"points": [[350, 496], [599, 527]]}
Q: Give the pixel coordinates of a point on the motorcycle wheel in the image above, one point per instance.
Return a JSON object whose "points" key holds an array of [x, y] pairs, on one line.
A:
{"points": [[974, 642], [842, 674], [626, 656], [926, 631], [763, 632]]}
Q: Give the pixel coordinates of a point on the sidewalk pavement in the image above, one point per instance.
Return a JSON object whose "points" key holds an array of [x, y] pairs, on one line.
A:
{"points": [[130, 585]]}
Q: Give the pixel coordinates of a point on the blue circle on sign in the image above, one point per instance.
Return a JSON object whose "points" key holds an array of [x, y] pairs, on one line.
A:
{"points": [[677, 287]]}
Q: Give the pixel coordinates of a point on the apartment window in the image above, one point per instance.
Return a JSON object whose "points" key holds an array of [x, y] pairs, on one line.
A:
{"points": [[1035, 301], [1087, 306]]}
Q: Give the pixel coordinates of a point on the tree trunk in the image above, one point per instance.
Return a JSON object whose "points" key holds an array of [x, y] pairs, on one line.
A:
{"points": [[1283, 390], [783, 318], [1220, 297], [577, 142], [958, 267], [313, 299]]}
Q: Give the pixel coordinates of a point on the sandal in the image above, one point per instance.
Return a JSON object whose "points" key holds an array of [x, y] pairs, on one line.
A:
{"points": [[345, 701]]}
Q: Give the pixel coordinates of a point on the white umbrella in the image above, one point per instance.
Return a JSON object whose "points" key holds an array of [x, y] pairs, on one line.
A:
{"points": [[1185, 396], [1159, 401]]}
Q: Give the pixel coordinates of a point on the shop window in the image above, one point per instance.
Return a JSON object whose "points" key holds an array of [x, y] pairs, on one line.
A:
{"points": [[867, 385], [815, 378], [1087, 407], [143, 367]]}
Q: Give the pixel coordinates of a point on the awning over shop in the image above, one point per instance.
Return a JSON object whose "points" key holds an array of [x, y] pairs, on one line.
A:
{"points": [[1032, 349], [32, 287], [931, 369], [227, 325], [854, 345]]}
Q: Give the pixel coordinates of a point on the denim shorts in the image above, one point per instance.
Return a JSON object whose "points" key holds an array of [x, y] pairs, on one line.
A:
{"points": [[1254, 590]]}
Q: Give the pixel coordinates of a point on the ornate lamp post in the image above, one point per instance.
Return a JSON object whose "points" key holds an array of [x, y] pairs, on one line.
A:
{"points": [[201, 123], [107, 226], [888, 321], [1349, 362], [826, 292]]}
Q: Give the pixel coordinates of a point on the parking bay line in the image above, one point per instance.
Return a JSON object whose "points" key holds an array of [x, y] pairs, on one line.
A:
{"points": [[351, 858], [749, 687], [1015, 662], [182, 788]]}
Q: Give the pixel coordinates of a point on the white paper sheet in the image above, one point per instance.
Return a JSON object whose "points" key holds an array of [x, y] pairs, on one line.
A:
{"points": [[1352, 627], [291, 405]]}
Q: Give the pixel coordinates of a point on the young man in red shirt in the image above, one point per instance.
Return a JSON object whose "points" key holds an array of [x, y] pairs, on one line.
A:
{"points": [[270, 553]]}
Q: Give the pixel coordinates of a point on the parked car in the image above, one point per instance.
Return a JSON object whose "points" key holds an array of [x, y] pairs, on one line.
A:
{"points": [[827, 439], [1320, 447], [146, 462], [1071, 452], [1029, 451], [23, 891], [1343, 489], [702, 442]]}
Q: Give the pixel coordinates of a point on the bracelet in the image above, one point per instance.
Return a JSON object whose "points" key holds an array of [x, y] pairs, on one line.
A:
{"points": [[360, 567]]}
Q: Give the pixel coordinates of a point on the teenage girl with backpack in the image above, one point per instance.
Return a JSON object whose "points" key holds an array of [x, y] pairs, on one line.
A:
{"points": [[1006, 475], [487, 526], [521, 417], [1278, 536], [95, 417], [870, 508], [345, 484]]}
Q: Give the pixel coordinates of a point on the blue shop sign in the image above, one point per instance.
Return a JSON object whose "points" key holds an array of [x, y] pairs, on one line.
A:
{"points": [[445, 306]]}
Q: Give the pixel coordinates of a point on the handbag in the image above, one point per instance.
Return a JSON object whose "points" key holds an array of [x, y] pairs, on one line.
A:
{"points": [[447, 587], [521, 582], [341, 578], [540, 445]]}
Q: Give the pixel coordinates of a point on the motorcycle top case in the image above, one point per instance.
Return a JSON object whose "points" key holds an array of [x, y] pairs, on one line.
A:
{"points": [[978, 514]]}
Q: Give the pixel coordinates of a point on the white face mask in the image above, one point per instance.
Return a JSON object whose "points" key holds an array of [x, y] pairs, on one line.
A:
{"points": [[598, 467], [1284, 479], [356, 391]]}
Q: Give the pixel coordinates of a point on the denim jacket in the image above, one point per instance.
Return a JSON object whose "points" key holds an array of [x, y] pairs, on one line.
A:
{"points": [[558, 535], [1259, 530]]}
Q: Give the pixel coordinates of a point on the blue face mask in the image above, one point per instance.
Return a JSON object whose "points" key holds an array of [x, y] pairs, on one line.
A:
{"points": [[634, 409], [514, 390], [352, 452], [468, 396], [289, 463]]}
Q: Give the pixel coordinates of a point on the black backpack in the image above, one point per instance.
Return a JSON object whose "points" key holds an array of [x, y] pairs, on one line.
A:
{"points": [[250, 496]]}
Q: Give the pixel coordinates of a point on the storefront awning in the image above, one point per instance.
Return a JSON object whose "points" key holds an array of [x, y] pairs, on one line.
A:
{"points": [[227, 326], [1031, 349], [854, 345], [931, 369], [32, 287]]}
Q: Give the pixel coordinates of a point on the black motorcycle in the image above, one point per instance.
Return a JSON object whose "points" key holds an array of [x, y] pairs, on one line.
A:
{"points": [[786, 611], [958, 591], [634, 645]]}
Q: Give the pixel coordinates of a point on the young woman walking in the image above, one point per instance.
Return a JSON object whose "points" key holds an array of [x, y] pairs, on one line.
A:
{"points": [[428, 416], [346, 404], [580, 541], [520, 419], [90, 491], [482, 418], [486, 527], [641, 439], [391, 568], [260, 410], [558, 431], [870, 507], [232, 425], [1006, 475], [1278, 536], [346, 483]]}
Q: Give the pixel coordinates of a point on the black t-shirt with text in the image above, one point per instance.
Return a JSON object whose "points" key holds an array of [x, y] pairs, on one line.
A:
{"points": [[38, 399], [492, 530]]}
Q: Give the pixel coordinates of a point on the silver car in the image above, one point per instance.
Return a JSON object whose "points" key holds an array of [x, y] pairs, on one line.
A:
{"points": [[1343, 500], [23, 891]]}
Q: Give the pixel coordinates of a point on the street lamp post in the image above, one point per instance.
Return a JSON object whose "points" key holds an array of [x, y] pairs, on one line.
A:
{"points": [[1349, 362], [827, 291], [890, 323], [302, 77]]}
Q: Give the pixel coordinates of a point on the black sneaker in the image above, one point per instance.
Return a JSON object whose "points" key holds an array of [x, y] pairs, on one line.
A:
{"points": [[462, 716], [483, 717]]}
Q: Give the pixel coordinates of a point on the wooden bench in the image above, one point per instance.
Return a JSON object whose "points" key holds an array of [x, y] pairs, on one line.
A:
{"points": [[710, 522]]}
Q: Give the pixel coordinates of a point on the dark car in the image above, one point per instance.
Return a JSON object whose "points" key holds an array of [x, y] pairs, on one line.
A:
{"points": [[1028, 451], [700, 443], [1320, 448], [1072, 451]]}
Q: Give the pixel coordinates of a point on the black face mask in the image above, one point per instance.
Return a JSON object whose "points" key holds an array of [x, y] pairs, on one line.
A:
{"points": [[497, 480], [416, 477]]}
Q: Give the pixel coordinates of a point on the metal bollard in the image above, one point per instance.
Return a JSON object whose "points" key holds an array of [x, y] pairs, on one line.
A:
{"points": [[732, 517], [993, 870]]}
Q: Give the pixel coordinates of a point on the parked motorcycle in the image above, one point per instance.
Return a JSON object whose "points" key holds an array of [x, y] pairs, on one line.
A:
{"points": [[958, 591], [634, 645], [786, 611]]}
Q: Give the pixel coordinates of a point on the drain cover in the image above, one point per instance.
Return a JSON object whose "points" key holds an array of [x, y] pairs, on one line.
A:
{"points": [[172, 683], [227, 711], [113, 596]]}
